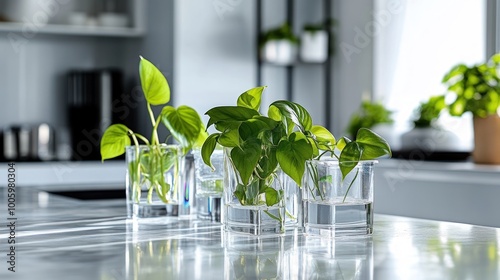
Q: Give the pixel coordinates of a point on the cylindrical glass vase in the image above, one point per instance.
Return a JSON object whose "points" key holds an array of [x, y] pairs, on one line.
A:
{"points": [[209, 185], [154, 181], [336, 207], [256, 207]]}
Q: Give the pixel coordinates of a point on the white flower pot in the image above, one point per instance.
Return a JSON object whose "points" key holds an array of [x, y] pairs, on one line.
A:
{"points": [[281, 52], [314, 46]]}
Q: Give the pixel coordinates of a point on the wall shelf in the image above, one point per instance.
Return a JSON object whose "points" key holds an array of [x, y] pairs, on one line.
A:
{"points": [[60, 18], [75, 30], [327, 65]]}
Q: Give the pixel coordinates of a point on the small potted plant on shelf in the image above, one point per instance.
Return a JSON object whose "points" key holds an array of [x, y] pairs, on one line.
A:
{"points": [[261, 152], [155, 170], [279, 45], [314, 43], [476, 89]]}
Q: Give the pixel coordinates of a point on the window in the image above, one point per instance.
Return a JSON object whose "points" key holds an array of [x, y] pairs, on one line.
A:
{"points": [[417, 46]]}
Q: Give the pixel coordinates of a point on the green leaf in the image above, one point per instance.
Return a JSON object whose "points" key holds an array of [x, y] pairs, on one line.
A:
{"points": [[326, 179], [372, 144], [154, 84], [114, 140], [252, 128], [183, 123], [349, 158], [272, 196], [296, 113], [455, 71], [202, 136], [230, 113], [230, 136], [457, 108], [324, 137], [292, 155], [239, 192], [274, 113], [268, 163], [342, 143], [252, 193], [245, 158], [208, 148], [496, 58], [251, 98]]}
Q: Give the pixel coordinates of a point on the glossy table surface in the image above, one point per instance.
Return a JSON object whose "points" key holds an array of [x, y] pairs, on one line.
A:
{"points": [[63, 238]]}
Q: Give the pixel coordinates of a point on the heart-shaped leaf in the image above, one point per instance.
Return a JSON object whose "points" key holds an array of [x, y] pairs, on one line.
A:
{"points": [[272, 196], [208, 148], [230, 113], [324, 137], [372, 144], [245, 158], [292, 155], [296, 113], [183, 123], [349, 158], [114, 140], [251, 98], [154, 84]]}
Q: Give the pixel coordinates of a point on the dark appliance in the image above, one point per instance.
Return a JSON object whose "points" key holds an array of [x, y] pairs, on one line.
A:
{"points": [[90, 99]]}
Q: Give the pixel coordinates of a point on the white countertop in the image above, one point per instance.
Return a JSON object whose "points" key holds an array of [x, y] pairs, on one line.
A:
{"points": [[69, 174], [59, 238]]}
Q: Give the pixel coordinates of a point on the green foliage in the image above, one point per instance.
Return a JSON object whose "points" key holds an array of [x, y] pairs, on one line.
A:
{"points": [[476, 88], [368, 115], [314, 27], [286, 138], [183, 123], [283, 32], [429, 111]]}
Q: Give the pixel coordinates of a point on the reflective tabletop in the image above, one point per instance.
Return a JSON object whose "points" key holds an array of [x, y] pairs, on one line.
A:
{"points": [[63, 238]]}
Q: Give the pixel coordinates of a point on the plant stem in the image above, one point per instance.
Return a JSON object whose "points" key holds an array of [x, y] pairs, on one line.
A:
{"points": [[136, 186], [144, 139], [154, 133], [350, 185]]}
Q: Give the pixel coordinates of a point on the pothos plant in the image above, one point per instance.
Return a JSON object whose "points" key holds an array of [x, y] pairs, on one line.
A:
{"points": [[183, 123], [475, 88], [286, 138], [429, 111]]}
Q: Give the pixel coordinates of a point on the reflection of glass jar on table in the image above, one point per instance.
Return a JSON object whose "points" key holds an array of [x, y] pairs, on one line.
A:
{"points": [[322, 258], [246, 257]]}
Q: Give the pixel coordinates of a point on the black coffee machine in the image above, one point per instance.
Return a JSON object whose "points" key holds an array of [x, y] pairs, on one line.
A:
{"points": [[91, 97]]}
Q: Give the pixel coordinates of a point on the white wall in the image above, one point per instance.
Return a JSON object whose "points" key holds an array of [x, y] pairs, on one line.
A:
{"points": [[215, 56], [353, 63], [213, 53]]}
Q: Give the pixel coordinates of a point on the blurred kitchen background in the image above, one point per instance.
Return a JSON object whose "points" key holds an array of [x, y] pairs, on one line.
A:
{"points": [[69, 68]]}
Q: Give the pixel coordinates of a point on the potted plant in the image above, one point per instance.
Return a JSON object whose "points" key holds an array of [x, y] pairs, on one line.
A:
{"points": [[314, 43], [368, 115], [258, 148], [428, 140], [279, 45], [476, 89], [154, 168]]}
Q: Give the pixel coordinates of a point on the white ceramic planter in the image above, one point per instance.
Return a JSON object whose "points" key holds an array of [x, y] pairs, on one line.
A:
{"points": [[430, 139], [314, 46], [281, 52]]}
